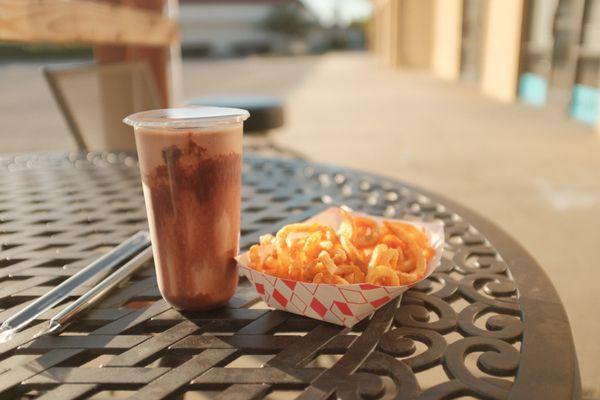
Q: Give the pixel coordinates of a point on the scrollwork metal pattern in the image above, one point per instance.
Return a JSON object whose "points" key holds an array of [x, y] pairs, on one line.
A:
{"points": [[59, 211]]}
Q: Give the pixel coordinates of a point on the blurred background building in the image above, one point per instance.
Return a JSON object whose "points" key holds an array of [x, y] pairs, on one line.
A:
{"points": [[542, 52], [241, 27]]}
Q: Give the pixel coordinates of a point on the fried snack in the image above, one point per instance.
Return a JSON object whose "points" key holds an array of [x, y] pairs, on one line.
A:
{"points": [[361, 251]]}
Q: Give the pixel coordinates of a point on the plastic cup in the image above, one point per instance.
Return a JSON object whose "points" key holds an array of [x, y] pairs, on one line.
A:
{"points": [[191, 164]]}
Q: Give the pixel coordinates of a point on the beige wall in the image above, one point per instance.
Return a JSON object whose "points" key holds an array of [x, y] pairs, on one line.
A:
{"points": [[392, 31], [501, 48], [403, 32], [447, 32], [415, 33], [382, 32]]}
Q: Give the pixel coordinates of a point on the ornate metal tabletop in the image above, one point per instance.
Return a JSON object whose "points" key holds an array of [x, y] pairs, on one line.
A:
{"points": [[487, 324]]}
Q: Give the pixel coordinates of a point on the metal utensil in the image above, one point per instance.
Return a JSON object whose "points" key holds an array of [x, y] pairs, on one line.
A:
{"points": [[60, 320], [21, 319]]}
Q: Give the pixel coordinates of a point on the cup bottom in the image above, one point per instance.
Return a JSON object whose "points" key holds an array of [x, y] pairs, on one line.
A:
{"points": [[215, 306], [200, 303]]}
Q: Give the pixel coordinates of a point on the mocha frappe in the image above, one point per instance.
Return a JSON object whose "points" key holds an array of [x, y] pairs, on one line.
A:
{"points": [[192, 187]]}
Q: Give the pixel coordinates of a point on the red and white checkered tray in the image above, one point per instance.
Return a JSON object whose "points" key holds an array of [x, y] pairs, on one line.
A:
{"points": [[339, 304]]}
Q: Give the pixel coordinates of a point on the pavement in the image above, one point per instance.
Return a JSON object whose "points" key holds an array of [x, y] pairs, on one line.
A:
{"points": [[532, 171]]}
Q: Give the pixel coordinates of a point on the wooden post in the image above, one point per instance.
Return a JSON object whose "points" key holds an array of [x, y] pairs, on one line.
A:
{"points": [[157, 57]]}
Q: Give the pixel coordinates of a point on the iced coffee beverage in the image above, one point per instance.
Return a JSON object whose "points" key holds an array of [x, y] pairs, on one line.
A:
{"points": [[190, 163]]}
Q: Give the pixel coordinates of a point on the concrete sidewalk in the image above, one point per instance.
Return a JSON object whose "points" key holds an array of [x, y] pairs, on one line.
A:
{"points": [[534, 173]]}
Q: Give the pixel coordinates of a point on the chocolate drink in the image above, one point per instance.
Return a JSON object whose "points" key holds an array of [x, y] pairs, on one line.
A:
{"points": [[192, 188]]}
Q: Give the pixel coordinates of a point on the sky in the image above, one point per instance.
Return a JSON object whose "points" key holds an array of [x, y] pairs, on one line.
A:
{"points": [[348, 10]]}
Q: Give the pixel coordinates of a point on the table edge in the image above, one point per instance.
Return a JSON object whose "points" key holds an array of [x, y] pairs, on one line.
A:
{"points": [[537, 296]]}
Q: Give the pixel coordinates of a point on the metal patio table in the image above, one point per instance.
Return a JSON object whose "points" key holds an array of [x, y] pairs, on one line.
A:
{"points": [[487, 324]]}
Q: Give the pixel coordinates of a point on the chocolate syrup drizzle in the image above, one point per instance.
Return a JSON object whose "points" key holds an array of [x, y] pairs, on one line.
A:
{"points": [[195, 200]]}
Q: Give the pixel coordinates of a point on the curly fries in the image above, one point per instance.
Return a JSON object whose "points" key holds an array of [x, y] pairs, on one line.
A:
{"points": [[361, 251]]}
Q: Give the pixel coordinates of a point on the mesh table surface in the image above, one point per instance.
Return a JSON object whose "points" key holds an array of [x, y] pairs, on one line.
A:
{"points": [[487, 324]]}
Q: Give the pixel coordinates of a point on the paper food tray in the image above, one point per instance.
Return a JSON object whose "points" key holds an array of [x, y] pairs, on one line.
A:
{"points": [[339, 304]]}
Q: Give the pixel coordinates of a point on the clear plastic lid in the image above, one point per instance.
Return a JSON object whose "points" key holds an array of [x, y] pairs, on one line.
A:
{"points": [[187, 117]]}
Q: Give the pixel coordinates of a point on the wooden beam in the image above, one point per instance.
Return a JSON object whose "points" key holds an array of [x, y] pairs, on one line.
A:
{"points": [[83, 21]]}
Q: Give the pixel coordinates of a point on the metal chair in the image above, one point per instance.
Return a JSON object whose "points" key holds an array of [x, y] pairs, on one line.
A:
{"points": [[94, 99]]}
